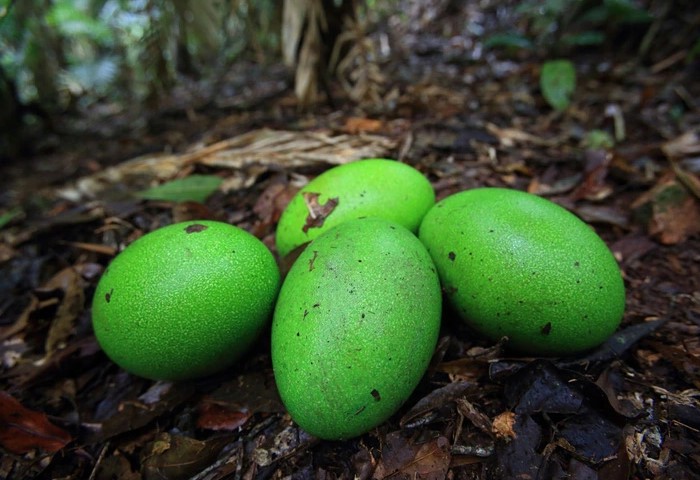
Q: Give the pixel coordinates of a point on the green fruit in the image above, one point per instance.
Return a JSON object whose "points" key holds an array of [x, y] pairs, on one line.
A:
{"points": [[517, 265], [355, 326], [185, 300], [373, 187]]}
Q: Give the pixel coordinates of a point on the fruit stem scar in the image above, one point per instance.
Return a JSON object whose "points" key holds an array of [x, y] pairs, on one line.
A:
{"points": [[195, 227]]}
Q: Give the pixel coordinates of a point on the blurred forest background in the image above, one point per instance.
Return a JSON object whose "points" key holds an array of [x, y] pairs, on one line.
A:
{"points": [[98, 59]]}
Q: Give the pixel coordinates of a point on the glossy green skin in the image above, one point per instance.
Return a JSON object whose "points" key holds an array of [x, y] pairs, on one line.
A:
{"points": [[355, 326], [372, 187], [517, 265], [185, 300]]}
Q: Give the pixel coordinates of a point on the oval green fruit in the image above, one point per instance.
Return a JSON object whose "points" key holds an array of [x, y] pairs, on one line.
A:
{"points": [[185, 300], [355, 326], [517, 265], [373, 187]]}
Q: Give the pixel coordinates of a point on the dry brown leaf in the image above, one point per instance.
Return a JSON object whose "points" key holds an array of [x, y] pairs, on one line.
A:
{"points": [[247, 156], [503, 425]]}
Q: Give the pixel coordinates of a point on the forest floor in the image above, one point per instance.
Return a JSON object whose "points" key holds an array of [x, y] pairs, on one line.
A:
{"points": [[629, 409]]}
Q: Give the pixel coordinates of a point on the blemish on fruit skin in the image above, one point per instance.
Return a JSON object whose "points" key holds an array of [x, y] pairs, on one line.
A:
{"points": [[375, 394], [306, 312], [547, 328], [108, 295], [361, 409], [195, 228], [312, 260], [316, 305], [451, 256]]}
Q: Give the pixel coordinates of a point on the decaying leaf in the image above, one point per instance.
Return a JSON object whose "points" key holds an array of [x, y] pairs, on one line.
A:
{"points": [[23, 430], [403, 459], [670, 211], [246, 157], [178, 456]]}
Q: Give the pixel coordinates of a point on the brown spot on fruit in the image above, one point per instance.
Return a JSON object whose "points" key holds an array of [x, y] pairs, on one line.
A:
{"points": [[376, 395], [108, 295], [317, 212], [195, 228], [451, 256], [547, 328]]}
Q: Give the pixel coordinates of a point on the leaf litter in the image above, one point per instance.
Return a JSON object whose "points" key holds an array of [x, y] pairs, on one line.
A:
{"points": [[626, 409]]}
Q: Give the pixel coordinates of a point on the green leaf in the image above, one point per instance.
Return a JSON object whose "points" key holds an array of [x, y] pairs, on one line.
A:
{"points": [[557, 83], [625, 11], [584, 39], [508, 40], [8, 216], [195, 188], [599, 140]]}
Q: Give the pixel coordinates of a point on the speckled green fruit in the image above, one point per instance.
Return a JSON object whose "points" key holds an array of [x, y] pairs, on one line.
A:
{"points": [[185, 300], [373, 187], [517, 265], [355, 326]]}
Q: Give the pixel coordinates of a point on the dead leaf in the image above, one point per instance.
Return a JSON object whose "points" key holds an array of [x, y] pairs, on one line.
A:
{"points": [[23, 430], [686, 144], [503, 425], [178, 456], [355, 125], [402, 459], [317, 212], [671, 213], [72, 303], [214, 416], [435, 400]]}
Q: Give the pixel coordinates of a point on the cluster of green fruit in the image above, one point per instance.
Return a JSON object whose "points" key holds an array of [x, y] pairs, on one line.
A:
{"points": [[357, 317]]}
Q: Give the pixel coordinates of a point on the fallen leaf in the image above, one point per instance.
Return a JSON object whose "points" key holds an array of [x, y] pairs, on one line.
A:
{"points": [[355, 125], [402, 459], [558, 82], [195, 188], [178, 456], [23, 430], [71, 305], [502, 425], [435, 400], [670, 211]]}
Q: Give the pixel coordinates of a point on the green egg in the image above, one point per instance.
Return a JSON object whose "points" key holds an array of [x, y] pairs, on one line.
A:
{"points": [[516, 265], [372, 187], [185, 300], [355, 326]]}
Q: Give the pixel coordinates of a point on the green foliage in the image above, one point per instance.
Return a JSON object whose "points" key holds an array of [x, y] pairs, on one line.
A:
{"points": [[510, 40], [557, 83], [552, 24], [8, 216], [64, 53], [598, 140], [195, 188], [72, 22]]}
